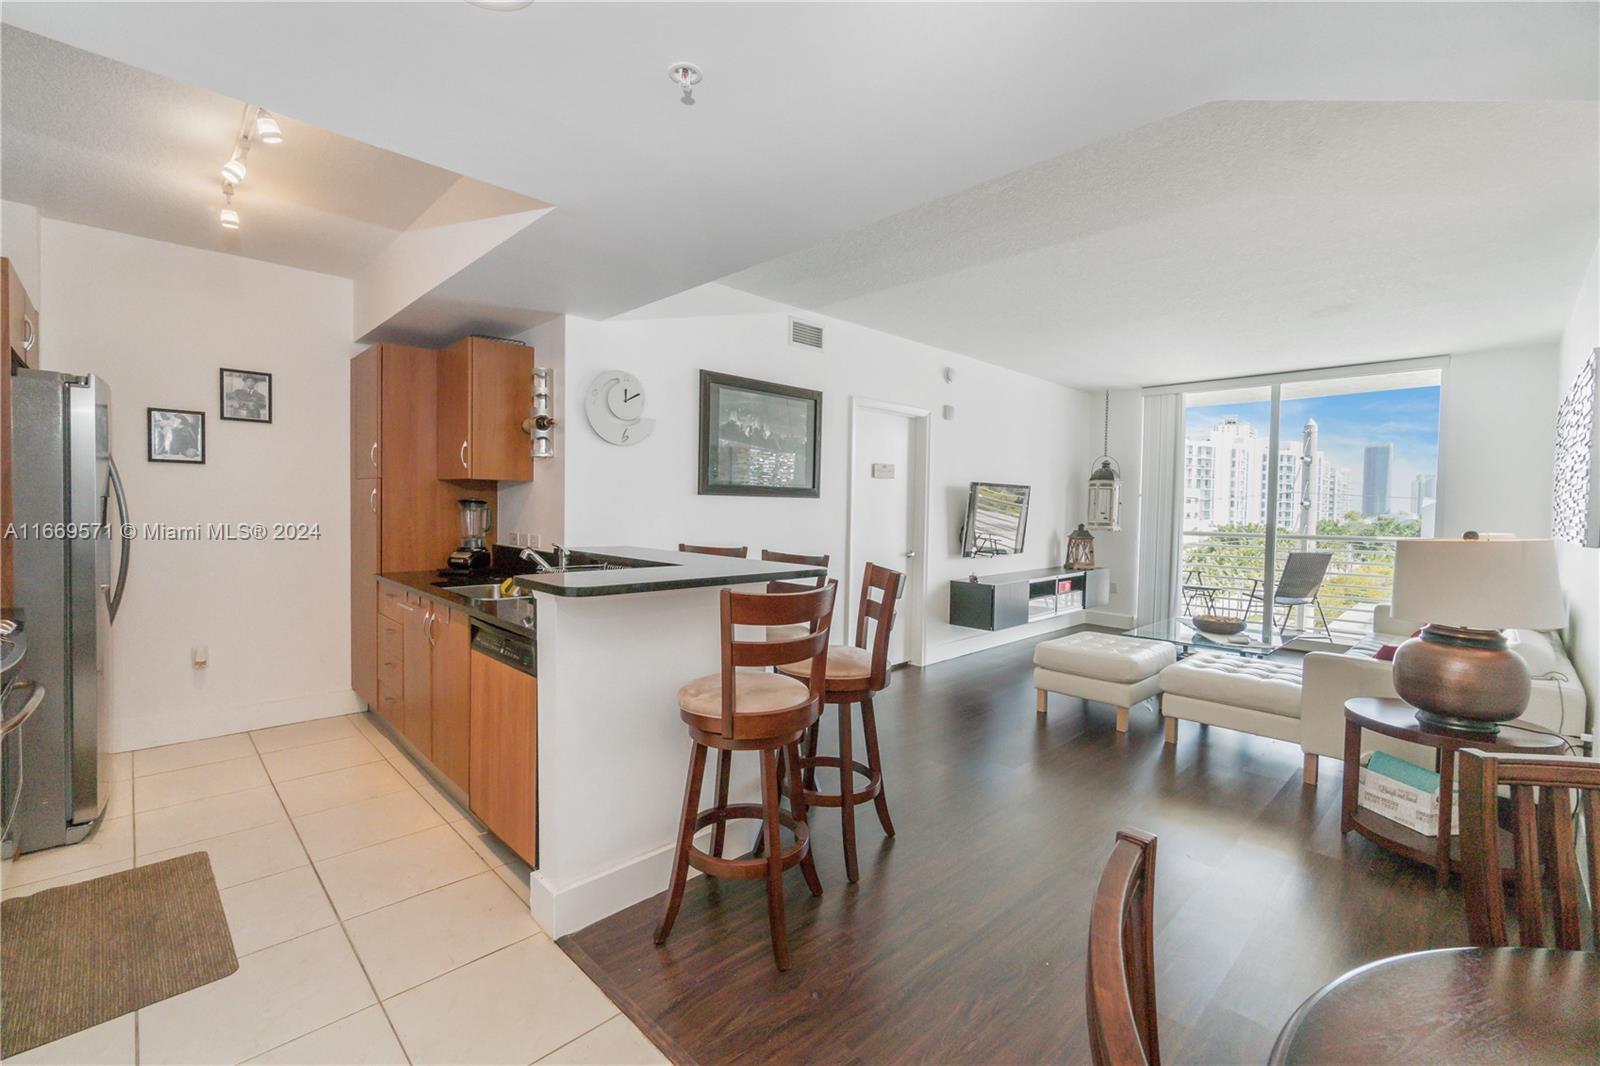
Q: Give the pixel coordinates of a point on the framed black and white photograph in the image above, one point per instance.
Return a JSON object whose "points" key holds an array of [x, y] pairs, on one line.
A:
{"points": [[176, 436], [246, 395], [758, 438]]}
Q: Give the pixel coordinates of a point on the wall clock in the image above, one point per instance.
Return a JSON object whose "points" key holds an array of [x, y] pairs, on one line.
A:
{"points": [[615, 406]]}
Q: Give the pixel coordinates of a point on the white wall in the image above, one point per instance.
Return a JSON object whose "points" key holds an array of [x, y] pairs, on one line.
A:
{"points": [[19, 242], [1008, 427], [1580, 567], [156, 321], [1497, 432]]}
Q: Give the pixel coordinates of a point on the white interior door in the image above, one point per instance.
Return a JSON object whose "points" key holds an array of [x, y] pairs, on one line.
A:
{"points": [[886, 508]]}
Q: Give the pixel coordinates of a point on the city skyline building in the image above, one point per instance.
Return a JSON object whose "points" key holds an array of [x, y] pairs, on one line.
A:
{"points": [[1377, 460], [1226, 473]]}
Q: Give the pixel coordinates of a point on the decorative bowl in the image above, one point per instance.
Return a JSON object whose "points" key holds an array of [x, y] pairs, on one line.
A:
{"points": [[1218, 625]]}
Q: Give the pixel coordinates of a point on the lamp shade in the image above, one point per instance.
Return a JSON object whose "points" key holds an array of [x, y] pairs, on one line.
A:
{"points": [[1479, 584]]}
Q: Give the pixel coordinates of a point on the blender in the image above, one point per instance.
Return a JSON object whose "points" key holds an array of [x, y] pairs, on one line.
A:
{"points": [[474, 551]]}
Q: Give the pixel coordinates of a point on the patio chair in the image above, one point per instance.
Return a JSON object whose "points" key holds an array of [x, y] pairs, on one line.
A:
{"points": [[1195, 590], [1298, 586]]}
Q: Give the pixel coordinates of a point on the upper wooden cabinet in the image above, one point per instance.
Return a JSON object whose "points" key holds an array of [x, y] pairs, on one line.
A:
{"points": [[366, 413], [22, 320], [485, 394]]}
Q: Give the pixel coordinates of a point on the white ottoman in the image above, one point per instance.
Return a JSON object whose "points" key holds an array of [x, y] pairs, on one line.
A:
{"points": [[1103, 667], [1257, 696]]}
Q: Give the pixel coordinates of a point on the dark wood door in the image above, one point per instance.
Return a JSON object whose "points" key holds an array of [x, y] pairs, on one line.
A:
{"points": [[502, 399], [452, 688], [366, 414], [505, 754], [416, 715], [366, 508], [453, 428]]}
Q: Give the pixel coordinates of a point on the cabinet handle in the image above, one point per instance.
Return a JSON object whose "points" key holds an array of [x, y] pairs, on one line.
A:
{"points": [[464, 455], [29, 334], [427, 627], [372, 454], [373, 501]]}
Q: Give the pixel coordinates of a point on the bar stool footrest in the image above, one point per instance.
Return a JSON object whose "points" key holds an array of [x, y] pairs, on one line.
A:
{"points": [[749, 869], [834, 799]]}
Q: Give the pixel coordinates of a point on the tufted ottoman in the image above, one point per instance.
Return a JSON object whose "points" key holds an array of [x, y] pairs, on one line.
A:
{"points": [[1259, 696], [1103, 667]]}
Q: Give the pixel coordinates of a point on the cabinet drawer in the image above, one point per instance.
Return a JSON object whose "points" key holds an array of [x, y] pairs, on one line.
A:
{"points": [[391, 652], [389, 597]]}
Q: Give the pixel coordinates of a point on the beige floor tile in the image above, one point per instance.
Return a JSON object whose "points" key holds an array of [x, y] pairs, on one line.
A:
{"points": [[198, 782], [194, 753], [278, 994], [273, 909], [186, 823], [11, 890], [616, 1043], [491, 848], [290, 763], [368, 728], [386, 873], [448, 809], [363, 1039], [405, 767], [245, 855], [360, 825], [107, 1044], [111, 842], [514, 1006], [409, 942], [119, 797], [515, 879], [303, 734], [117, 766], [336, 788]]}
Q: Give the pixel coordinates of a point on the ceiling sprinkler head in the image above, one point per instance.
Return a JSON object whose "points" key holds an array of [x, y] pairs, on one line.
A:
{"points": [[686, 76]]}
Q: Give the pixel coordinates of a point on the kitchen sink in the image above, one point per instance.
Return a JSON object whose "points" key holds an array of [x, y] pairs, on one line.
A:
{"points": [[486, 593]]}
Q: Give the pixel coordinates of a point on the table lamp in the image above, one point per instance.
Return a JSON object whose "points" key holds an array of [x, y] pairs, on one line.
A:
{"points": [[1459, 673]]}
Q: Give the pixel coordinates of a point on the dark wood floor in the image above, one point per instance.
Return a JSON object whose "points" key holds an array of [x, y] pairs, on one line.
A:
{"points": [[964, 940]]}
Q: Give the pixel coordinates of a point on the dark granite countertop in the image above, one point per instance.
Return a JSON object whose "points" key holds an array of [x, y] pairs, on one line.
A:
{"points": [[636, 570]]}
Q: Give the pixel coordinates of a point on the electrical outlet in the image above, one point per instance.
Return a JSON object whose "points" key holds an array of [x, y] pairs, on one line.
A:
{"points": [[1113, 588], [533, 540]]}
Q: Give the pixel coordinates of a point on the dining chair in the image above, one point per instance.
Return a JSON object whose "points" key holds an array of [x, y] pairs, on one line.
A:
{"points": [[1544, 838], [740, 552], [1122, 972]]}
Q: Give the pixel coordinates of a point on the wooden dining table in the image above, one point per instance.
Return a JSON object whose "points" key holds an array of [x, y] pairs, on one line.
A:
{"points": [[1455, 1005]]}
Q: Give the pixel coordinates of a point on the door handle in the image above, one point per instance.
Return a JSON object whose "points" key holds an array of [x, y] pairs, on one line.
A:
{"points": [[464, 455], [115, 476], [30, 334], [372, 499], [427, 627], [372, 454]]}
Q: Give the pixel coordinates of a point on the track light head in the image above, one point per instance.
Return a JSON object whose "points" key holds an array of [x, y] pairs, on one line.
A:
{"points": [[229, 218], [233, 170], [267, 129]]}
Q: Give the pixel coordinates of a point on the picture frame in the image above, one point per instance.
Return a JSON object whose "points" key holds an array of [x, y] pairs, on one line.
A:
{"points": [[173, 435], [240, 397], [759, 438]]}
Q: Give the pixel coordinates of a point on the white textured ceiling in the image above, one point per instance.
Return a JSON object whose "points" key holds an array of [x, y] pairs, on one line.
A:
{"points": [[813, 121], [91, 140], [1237, 238]]}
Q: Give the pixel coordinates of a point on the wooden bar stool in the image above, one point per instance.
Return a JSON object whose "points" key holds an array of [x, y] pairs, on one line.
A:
{"points": [[740, 552], [854, 675], [754, 710], [793, 584]]}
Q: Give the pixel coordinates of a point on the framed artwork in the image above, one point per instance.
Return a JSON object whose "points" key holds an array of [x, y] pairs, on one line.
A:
{"points": [[246, 395], [1575, 510], [758, 438], [175, 436]]}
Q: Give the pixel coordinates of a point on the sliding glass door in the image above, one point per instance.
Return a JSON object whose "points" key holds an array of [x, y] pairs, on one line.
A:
{"points": [[1296, 491]]}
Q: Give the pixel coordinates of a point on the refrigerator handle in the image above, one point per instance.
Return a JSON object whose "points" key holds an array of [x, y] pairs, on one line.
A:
{"points": [[122, 567]]}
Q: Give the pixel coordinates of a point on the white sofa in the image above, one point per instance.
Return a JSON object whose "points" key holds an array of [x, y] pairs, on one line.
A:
{"points": [[1558, 702]]}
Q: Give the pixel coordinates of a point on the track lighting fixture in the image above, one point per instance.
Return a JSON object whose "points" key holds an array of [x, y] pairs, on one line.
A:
{"points": [[233, 170], [228, 216], [267, 129]]}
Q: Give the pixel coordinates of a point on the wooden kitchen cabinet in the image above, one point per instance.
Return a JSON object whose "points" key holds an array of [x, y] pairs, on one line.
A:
{"points": [[452, 691], [504, 772], [485, 394], [365, 537], [21, 320], [391, 670], [366, 413], [416, 704]]}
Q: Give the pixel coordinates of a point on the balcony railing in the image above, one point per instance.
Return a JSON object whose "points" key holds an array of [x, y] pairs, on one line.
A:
{"points": [[1226, 565]]}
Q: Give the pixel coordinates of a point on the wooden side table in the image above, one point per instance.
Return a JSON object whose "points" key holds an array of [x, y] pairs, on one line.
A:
{"points": [[1398, 719]]}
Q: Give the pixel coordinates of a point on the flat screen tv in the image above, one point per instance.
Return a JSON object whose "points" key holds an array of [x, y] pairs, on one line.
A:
{"points": [[997, 519]]}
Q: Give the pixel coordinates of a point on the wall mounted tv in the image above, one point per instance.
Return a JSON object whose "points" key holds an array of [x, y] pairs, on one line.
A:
{"points": [[997, 519]]}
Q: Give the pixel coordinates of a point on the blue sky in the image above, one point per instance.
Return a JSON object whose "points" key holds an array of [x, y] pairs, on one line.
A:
{"points": [[1406, 418]]}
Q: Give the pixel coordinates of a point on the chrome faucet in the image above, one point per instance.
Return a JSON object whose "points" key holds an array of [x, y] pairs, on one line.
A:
{"points": [[563, 557], [537, 560]]}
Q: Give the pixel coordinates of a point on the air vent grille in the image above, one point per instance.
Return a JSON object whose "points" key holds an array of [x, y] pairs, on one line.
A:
{"points": [[805, 334]]}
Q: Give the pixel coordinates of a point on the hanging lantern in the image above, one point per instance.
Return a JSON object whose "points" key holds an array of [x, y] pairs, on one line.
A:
{"points": [[1080, 549], [1105, 484]]}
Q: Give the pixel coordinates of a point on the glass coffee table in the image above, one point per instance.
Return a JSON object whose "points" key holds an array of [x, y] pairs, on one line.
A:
{"points": [[1190, 640]]}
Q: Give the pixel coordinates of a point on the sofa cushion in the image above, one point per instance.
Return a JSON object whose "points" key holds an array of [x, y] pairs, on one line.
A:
{"points": [[1265, 685], [1105, 656], [1543, 655]]}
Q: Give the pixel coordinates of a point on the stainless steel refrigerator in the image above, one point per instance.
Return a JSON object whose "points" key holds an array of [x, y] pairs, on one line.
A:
{"points": [[65, 528]]}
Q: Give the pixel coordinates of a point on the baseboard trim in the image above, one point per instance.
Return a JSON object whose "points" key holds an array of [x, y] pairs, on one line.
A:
{"points": [[126, 732]]}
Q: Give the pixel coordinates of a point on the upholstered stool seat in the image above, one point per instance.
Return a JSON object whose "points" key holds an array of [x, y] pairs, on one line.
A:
{"points": [[844, 664], [754, 693], [1104, 667], [1259, 696]]}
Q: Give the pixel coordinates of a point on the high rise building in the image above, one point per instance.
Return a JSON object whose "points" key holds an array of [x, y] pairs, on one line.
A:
{"points": [[1424, 490], [1226, 473], [1375, 480]]}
